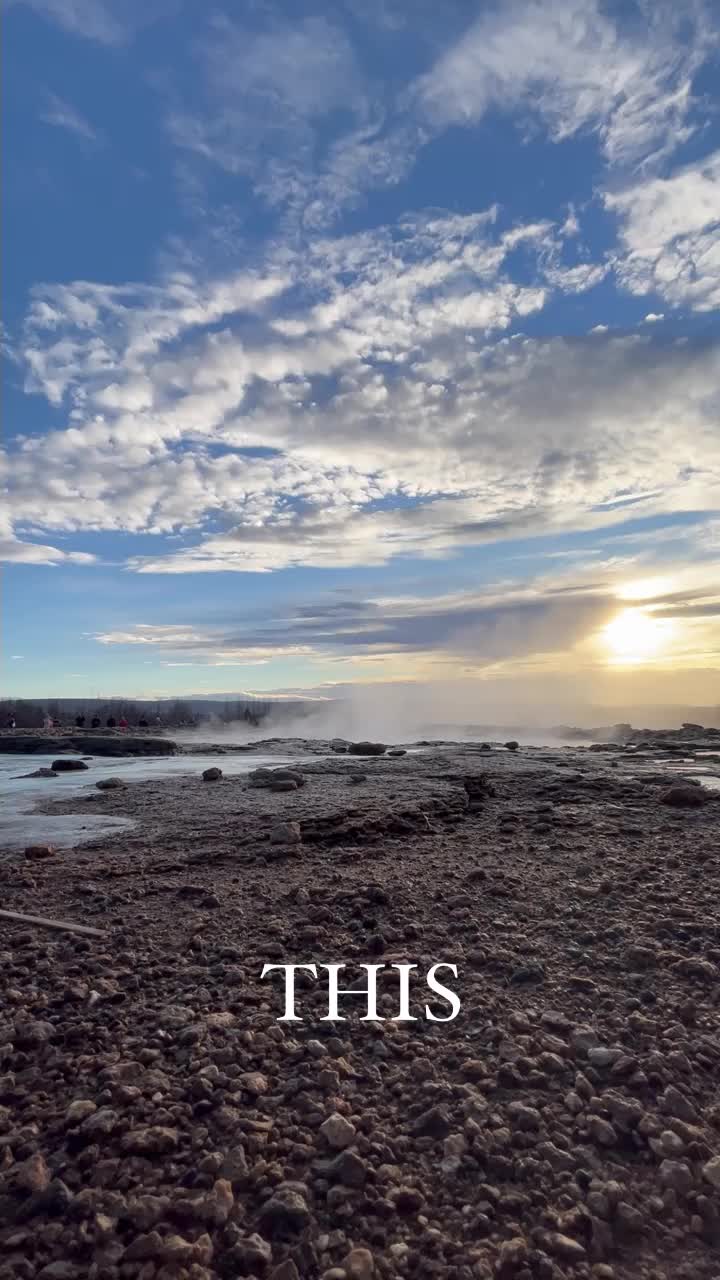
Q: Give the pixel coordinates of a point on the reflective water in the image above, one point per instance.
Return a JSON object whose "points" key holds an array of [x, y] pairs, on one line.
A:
{"points": [[19, 796]]}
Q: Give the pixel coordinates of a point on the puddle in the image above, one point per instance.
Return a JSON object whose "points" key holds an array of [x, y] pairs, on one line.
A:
{"points": [[20, 825], [709, 780]]}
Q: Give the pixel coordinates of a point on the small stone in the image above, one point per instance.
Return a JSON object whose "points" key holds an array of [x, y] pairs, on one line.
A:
{"points": [[434, 1123], [512, 1256], [285, 1271], [338, 1132], [711, 1172], [32, 1175], [349, 1169], [212, 775], [316, 1048], [109, 784], [407, 1199], [524, 1117], [601, 1056], [359, 1265], [254, 1252], [583, 1039], [217, 1203], [153, 1141], [220, 1021], [286, 1212], [235, 1166], [565, 1247], [79, 1110], [254, 1083], [674, 1103], [676, 1174], [555, 1156], [629, 1217], [602, 1131]]}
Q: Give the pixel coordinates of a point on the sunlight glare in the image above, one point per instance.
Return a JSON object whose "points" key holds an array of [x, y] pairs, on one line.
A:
{"points": [[635, 636]]}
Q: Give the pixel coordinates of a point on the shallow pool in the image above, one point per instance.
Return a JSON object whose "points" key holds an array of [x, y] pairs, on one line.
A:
{"points": [[19, 796]]}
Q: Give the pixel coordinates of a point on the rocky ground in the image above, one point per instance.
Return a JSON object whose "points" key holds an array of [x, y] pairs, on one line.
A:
{"points": [[157, 1122]]}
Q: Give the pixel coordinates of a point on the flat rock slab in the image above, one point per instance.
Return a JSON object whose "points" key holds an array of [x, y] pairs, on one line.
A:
{"points": [[120, 744]]}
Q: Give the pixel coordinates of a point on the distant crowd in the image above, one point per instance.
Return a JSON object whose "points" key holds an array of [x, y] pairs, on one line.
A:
{"points": [[52, 724]]}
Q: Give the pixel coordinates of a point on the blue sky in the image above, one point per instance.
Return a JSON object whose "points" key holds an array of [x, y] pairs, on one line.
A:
{"points": [[365, 342]]}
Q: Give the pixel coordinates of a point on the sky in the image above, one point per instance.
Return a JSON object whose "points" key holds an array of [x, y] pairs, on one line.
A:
{"points": [[371, 343]]}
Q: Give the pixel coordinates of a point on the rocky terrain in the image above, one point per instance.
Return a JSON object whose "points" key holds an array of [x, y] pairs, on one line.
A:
{"points": [[97, 743], [158, 1122]]}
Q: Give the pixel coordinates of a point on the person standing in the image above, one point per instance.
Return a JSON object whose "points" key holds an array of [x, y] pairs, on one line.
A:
{"points": [[80, 722]]}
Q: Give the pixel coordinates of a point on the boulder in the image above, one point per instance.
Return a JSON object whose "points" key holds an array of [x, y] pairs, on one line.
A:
{"points": [[285, 833], [39, 773], [66, 766], [212, 775], [271, 778], [512, 745], [397, 752], [339, 745], [38, 851], [367, 749], [683, 796], [109, 784]]}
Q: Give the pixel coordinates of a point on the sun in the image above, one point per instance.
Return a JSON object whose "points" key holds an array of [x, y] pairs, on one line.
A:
{"points": [[634, 637]]}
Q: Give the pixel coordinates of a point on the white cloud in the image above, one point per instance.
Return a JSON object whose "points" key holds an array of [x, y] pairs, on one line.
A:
{"points": [[267, 93], [654, 317], [487, 629], [577, 68], [109, 22], [352, 402], [288, 106], [62, 115], [670, 235]]}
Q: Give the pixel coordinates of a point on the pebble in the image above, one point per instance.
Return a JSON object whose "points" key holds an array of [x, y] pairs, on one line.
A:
{"points": [[359, 1265], [338, 1132], [286, 1212], [711, 1172]]}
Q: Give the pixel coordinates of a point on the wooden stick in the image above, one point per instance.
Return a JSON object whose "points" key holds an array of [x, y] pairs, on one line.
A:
{"points": [[64, 926]]}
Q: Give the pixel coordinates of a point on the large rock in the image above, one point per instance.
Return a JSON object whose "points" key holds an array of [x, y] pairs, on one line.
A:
{"points": [[38, 851], [367, 749], [682, 796], [67, 765], [276, 779]]}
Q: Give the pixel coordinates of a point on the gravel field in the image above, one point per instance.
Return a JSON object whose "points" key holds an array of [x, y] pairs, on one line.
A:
{"points": [[158, 1122]]}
